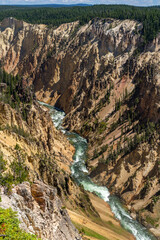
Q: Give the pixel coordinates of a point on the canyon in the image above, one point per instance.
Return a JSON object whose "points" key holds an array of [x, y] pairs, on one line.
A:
{"points": [[106, 80]]}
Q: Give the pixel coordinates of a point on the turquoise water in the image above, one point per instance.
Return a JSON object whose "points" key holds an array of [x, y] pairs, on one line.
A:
{"points": [[80, 174]]}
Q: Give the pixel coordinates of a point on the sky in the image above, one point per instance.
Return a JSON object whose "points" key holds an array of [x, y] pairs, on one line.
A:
{"points": [[129, 2]]}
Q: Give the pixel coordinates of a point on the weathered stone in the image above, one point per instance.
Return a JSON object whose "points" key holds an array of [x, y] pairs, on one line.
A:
{"points": [[49, 221]]}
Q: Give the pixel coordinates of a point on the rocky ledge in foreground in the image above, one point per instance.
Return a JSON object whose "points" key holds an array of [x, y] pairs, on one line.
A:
{"points": [[40, 211]]}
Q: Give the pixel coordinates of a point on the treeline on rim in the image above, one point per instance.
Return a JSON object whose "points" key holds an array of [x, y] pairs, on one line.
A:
{"points": [[149, 16]]}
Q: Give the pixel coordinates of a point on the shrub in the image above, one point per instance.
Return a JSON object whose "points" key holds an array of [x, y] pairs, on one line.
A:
{"points": [[9, 226], [18, 173]]}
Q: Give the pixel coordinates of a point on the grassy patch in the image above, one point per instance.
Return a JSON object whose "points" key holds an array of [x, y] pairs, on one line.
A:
{"points": [[119, 230], [151, 220], [88, 232]]}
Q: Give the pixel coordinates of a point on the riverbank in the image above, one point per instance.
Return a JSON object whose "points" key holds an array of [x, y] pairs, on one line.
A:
{"points": [[80, 174], [105, 228]]}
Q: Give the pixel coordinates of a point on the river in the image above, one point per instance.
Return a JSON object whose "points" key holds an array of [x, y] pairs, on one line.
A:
{"points": [[80, 174]]}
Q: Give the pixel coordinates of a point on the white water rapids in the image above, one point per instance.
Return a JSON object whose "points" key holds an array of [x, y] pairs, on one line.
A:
{"points": [[80, 174]]}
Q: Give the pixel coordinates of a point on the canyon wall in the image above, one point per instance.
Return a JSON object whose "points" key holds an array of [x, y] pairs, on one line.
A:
{"points": [[46, 155]]}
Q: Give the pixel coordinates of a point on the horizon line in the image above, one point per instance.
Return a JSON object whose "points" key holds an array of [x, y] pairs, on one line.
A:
{"points": [[75, 4]]}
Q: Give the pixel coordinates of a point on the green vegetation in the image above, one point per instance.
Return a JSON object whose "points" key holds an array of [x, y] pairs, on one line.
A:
{"points": [[88, 232], [143, 132], [9, 227], [2, 166], [19, 170], [102, 126], [18, 130], [119, 230], [102, 150], [149, 16], [151, 220], [156, 198], [99, 126], [103, 101], [17, 173], [14, 91]]}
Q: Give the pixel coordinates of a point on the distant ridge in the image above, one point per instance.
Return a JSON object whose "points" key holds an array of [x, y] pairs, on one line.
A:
{"points": [[46, 5]]}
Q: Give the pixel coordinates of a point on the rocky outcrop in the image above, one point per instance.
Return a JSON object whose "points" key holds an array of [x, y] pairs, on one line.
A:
{"points": [[24, 46], [40, 211], [38, 129]]}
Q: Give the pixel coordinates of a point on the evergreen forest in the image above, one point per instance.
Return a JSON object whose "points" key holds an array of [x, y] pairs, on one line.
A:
{"points": [[54, 16]]}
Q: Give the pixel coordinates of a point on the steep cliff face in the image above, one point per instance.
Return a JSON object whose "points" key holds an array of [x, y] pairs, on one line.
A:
{"points": [[128, 159], [40, 211], [25, 47], [46, 155], [71, 58], [36, 133], [107, 82]]}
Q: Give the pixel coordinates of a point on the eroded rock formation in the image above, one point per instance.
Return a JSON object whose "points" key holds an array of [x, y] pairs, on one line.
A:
{"points": [[40, 211]]}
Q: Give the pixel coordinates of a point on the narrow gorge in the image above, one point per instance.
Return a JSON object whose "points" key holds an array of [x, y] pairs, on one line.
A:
{"points": [[106, 80]]}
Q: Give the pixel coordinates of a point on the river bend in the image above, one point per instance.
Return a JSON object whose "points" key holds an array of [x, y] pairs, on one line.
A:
{"points": [[80, 174]]}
